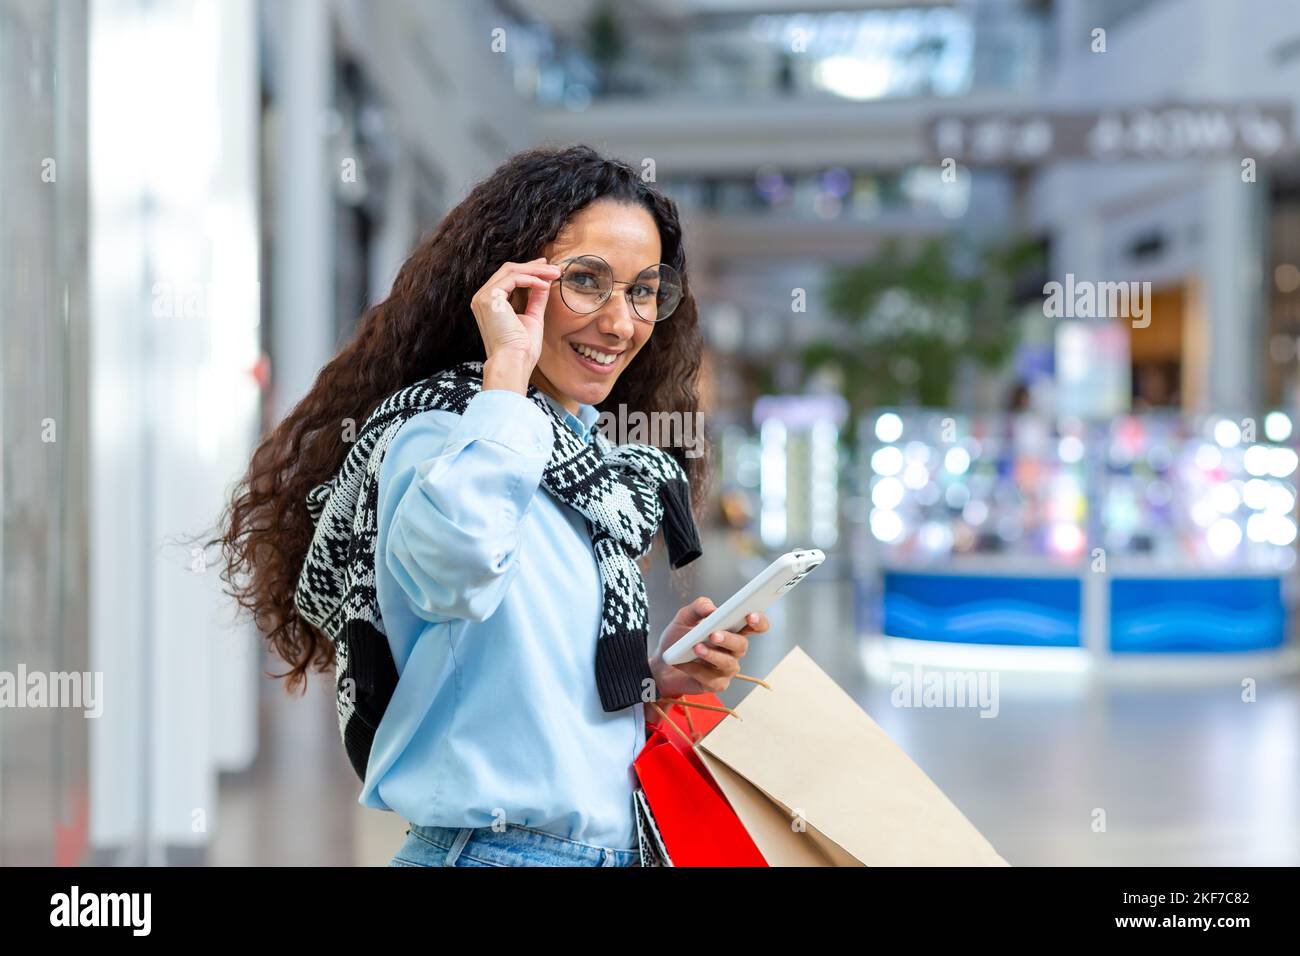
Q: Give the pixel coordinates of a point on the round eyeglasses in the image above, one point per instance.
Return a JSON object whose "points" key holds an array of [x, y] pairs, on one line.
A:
{"points": [[588, 281]]}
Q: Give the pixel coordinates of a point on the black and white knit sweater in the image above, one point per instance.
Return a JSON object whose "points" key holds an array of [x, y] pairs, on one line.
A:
{"points": [[625, 491]]}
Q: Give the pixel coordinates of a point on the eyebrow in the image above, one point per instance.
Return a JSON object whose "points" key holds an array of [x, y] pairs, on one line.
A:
{"points": [[583, 255]]}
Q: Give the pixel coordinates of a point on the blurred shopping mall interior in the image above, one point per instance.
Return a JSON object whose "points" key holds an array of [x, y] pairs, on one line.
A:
{"points": [[1002, 309]]}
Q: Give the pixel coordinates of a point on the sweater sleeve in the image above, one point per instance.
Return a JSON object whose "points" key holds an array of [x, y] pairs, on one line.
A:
{"points": [[462, 484]]}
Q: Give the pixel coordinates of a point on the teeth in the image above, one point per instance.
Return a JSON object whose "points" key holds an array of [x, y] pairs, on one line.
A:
{"points": [[601, 357]]}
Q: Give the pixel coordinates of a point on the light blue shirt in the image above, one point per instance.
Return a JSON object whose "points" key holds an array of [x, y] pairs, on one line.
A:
{"points": [[490, 595]]}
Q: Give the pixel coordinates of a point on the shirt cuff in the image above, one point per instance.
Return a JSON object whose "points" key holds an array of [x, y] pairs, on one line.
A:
{"points": [[507, 418]]}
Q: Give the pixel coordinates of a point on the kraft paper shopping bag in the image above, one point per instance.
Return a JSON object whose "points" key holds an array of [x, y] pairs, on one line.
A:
{"points": [[816, 782]]}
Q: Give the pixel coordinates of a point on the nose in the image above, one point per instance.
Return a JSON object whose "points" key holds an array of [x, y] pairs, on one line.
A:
{"points": [[616, 317]]}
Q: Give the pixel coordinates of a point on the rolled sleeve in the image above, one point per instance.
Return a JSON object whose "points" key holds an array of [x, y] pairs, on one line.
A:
{"points": [[465, 484], [507, 418]]}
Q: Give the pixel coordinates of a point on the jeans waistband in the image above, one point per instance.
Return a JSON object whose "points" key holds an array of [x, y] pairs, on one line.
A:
{"points": [[521, 846]]}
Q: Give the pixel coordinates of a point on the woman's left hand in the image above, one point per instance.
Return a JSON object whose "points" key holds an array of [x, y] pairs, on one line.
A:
{"points": [[717, 658]]}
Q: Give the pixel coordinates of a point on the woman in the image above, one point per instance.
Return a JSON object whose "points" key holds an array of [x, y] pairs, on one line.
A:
{"points": [[505, 713]]}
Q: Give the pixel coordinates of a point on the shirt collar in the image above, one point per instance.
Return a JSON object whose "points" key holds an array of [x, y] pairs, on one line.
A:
{"points": [[580, 424]]}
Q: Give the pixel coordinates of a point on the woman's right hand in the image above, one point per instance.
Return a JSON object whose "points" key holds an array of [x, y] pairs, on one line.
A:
{"points": [[512, 339]]}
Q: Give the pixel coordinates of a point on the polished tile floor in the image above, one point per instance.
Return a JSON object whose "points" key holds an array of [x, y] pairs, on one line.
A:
{"points": [[1071, 771]]}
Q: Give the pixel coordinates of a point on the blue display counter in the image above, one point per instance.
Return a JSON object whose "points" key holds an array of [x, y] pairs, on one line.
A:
{"points": [[1189, 613], [1196, 615], [979, 609]]}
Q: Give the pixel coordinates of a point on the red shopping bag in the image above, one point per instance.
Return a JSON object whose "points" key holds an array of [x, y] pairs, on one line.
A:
{"points": [[694, 819]]}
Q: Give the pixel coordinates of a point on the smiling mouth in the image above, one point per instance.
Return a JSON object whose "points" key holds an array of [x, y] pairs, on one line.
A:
{"points": [[606, 359]]}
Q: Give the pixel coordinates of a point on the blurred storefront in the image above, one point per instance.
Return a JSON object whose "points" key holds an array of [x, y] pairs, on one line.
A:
{"points": [[1157, 533], [45, 570]]}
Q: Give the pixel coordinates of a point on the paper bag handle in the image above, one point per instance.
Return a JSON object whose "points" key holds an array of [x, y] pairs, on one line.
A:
{"points": [[692, 736]]}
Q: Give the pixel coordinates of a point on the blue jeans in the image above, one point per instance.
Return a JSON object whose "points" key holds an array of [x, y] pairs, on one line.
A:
{"points": [[513, 846]]}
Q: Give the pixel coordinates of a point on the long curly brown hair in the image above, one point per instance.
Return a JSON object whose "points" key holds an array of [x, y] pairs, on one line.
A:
{"points": [[423, 327]]}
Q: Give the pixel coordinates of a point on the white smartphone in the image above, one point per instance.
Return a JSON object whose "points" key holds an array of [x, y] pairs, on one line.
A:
{"points": [[773, 581]]}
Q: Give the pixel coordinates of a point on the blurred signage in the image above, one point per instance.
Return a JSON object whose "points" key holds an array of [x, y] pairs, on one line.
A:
{"points": [[1173, 131], [801, 411], [1092, 369]]}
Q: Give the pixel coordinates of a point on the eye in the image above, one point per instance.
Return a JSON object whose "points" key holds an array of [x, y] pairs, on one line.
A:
{"points": [[581, 279], [643, 293]]}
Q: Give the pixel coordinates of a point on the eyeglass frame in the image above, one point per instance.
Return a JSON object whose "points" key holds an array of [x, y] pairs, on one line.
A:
{"points": [[591, 255]]}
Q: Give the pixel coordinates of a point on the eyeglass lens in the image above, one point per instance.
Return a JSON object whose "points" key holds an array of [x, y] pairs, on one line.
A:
{"points": [[588, 282]]}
